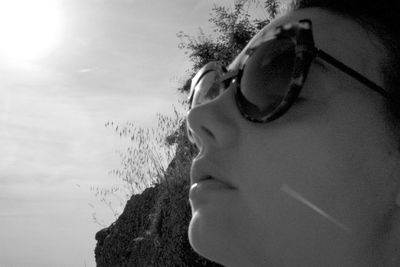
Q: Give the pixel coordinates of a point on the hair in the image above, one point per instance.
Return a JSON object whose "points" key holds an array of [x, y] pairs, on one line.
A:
{"points": [[380, 18]]}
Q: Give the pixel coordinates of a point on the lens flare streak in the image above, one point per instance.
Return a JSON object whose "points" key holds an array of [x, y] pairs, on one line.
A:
{"points": [[286, 189]]}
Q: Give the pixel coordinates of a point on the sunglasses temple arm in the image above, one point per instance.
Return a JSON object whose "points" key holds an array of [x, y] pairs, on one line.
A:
{"points": [[331, 60]]}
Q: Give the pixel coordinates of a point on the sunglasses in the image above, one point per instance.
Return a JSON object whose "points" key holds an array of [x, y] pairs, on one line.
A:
{"points": [[271, 74]]}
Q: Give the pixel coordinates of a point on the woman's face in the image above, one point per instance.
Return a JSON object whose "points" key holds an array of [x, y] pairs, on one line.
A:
{"points": [[310, 188]]}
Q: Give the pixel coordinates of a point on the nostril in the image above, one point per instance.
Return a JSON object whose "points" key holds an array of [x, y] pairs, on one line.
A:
{"points": [[193, 138], [208, 132]]}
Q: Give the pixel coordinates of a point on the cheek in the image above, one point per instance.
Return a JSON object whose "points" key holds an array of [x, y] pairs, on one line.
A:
{"points": [[314, 168], [327, 165], [310, 169], [295, 157]]}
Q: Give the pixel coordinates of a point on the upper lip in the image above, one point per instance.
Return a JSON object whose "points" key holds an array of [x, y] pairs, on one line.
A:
{"points": [[203, 169]]}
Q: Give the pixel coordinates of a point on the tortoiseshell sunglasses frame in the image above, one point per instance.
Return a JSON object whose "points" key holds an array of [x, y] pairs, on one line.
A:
{"points": [[301, 35]]}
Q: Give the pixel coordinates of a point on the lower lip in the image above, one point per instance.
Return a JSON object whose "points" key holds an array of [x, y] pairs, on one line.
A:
{"points": [[207, 187]]}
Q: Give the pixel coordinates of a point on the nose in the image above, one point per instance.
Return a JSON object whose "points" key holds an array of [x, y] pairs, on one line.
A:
{"points": [[214, 124]]}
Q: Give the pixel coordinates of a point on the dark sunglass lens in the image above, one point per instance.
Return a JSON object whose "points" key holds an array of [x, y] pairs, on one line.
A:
{"points": [[207, 88], [267, 75]]}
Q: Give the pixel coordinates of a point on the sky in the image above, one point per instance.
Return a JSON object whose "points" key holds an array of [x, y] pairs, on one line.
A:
{"points": [[67, 67]]}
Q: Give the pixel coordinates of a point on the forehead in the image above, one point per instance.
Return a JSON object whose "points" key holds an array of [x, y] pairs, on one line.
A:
{"points": [[341, 37]]}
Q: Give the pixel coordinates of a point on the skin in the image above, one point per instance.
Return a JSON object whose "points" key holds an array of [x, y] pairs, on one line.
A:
{"points": [[334, 148]]}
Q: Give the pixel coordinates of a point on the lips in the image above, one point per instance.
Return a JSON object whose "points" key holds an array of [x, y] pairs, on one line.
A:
{"points": [[203, 171], [213, 182]]}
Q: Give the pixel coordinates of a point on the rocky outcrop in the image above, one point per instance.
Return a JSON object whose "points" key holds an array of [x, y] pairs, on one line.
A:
{"points": [[115, 243]]}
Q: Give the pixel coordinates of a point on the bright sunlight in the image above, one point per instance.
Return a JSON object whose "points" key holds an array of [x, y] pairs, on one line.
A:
{"points": [[29, 29]]}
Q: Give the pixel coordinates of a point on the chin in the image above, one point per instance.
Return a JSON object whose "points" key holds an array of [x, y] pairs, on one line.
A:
{"points": [[202, 236], [212, 237], [208, 237]]}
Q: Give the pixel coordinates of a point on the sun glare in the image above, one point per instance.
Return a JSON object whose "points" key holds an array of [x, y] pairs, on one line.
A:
{"points": [[29, 29]]}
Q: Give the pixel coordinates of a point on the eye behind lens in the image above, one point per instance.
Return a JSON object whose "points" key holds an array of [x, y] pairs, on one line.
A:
{"points": [[267, 75]]}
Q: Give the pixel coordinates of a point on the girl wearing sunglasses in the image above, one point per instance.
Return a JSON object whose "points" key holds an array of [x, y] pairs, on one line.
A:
{"points": [[299, 161]]}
